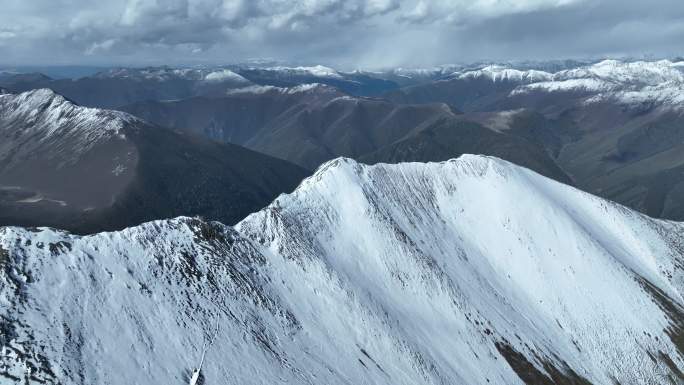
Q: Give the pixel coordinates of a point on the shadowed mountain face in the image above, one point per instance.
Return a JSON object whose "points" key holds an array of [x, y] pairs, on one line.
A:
{"points": [[453, 137], [632, 157], [472, 271], [467, 94], [89, 170], [306, 127], [612, 128], [239, 118], [310, 125]]}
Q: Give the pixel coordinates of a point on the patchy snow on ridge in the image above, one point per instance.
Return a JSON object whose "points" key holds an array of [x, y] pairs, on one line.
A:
{"points": [[472, 271], [639, 72], [584, 85], [225, 75], [425, 72], [623, 82], [162, 74], [302, 88], [317, 71], [152, 73], [497, 73], [42, 118]]}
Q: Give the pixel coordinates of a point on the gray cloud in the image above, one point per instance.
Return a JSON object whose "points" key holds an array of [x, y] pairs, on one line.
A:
{"points": [[353, 33]]}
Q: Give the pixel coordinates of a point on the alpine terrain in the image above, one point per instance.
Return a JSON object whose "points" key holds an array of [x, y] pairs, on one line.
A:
{"points": [[469, 271], [614, 126], [88, 170], [312, 123]]}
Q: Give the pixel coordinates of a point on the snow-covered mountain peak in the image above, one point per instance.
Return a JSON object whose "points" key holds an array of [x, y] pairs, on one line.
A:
{"points": [[469, 271], [43, 120], [225, 75], [308, 88], [162, 74], [610, 71], [660, 82], [50, 112], [342, 167], [316, 71], [479, 235], [638, 72], [498, 73], [40, 96]]}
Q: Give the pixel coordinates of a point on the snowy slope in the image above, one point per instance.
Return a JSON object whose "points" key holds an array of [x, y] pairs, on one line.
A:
{"points": [[471, 271], [497, 73], [298, 89], [224, 75], [629, 83], [624, 82], [43, 122], [161, 74], [47, 111], [315, 71]]}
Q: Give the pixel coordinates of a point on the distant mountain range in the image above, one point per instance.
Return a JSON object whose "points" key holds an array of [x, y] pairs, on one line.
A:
{"points": [[472, 271], [211, 252], [309, 125], [609, 127], [612, 125], [88, 170], [120, 86]]}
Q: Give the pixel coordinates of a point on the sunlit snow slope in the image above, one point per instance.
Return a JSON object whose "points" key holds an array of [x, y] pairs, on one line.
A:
{"points": [[472, 271]]}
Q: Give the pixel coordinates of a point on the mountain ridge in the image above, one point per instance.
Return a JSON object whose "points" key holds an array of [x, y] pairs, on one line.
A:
{"points": [[313, 127], [472, 270], [90, 169]]}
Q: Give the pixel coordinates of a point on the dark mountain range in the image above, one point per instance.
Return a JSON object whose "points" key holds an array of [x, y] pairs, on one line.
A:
{"points": [[89, 170], [309, 125], [117, 87], [23, 81], [614, 127], [121, 86], [236, 118], [469, 94], [450, 138], [606, 125]]}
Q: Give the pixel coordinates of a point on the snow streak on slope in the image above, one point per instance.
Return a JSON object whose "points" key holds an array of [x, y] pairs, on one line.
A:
{"points": [[40, 119], [498, 73], [302, 88], [162, 74], [609, 80], [471, 271], [225, 75], [316, 71]]}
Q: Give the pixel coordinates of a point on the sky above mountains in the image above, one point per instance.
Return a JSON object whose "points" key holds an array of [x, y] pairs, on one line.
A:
{"points": [[343, 33]]}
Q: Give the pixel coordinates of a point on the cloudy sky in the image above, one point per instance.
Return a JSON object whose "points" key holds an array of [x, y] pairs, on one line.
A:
{"points": [[344, 33]]}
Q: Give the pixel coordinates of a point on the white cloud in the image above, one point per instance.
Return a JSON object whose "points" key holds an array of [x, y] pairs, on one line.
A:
{"points": [[103, 46], [468, 11], [402, 32]]}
